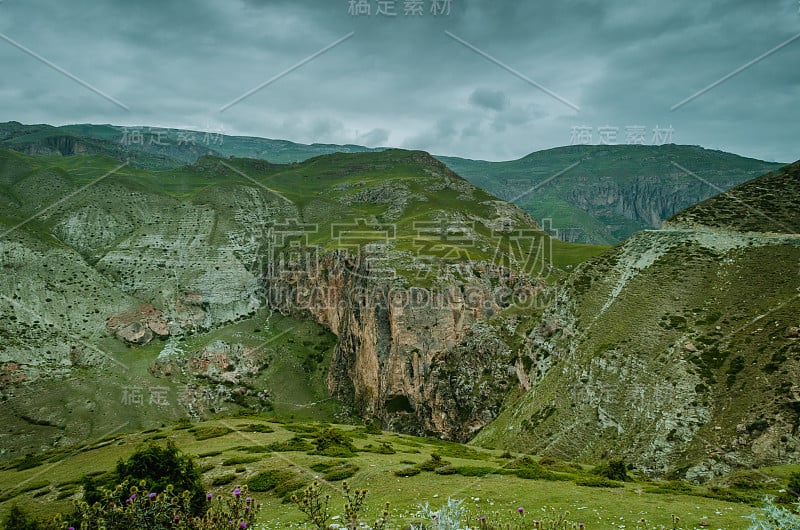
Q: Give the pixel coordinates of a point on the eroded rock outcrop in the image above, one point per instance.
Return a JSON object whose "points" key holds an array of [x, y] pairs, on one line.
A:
{"points": [[422, 359]]}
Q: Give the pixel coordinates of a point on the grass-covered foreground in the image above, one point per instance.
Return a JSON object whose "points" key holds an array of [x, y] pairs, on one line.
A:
{"points": [[276, 460]]}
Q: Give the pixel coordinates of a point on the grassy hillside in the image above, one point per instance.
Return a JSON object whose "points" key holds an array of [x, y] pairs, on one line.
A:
{"points": [[678, 349], [281, 456], [87, 240]]}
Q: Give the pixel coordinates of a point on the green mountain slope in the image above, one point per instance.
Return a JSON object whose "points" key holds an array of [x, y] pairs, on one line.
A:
{"points": [[229, 284], [603, 194], [678, 349]]}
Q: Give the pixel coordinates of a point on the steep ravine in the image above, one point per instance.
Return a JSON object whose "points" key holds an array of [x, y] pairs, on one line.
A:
{"points": [[425, 360]]}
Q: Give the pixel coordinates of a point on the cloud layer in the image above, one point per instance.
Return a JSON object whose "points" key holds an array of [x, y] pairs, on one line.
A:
{"points": [[486, 80]]}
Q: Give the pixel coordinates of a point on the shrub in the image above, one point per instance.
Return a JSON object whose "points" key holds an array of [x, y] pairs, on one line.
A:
{"points": [[474, 471], [538, 473], [385, 448], [296, 443], [614, 469], [333, 442], [598, 482], [210, 431], [435, 461], [792, 493], [373, 427], [340, 472], [281, 482], [407, 472], [159, 466], [257, 427], [268, 480], [221, 480]]}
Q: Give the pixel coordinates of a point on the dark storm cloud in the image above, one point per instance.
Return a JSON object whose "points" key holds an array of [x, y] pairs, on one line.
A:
{"points": [[403, 81], [489, 99]]}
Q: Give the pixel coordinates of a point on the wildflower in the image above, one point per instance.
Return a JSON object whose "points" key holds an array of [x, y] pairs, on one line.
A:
{"points": [[242, 525], [520, 510], [152, 495], [237, 492], [248, 500], [209, 496], [176, 518]]}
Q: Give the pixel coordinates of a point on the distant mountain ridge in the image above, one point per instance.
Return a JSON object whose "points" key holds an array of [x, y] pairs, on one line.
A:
{"points": [[597, 194], [603, 193]]}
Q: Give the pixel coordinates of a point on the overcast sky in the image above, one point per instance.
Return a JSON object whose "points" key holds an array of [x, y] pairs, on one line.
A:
{"points": [[490, 79]]}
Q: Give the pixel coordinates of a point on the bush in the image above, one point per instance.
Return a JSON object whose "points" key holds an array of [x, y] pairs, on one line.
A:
{"points": [[614, 469], [407, 472], [221, 480], [538, 473], [296, 443], [598, 482], [210, 431], [159, 466], [792, 493], [373, 427], [281, 482], [257, 427], [474, 471], [340, 472], [435, 461], [268, 480], [333, 442]]}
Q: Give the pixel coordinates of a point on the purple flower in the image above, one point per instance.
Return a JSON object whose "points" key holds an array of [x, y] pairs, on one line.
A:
{"points": [[176, 518], [248, 500], [242, 525], [520, 510], [209, 496], [237, 492], [152, 495]]}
